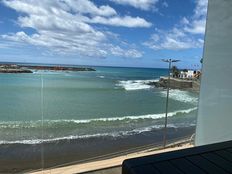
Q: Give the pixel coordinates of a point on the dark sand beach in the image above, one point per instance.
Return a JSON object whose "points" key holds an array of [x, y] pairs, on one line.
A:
{"points": [[15, 158]]}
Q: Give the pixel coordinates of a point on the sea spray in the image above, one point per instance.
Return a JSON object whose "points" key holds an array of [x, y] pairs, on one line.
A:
{"points": [[130, 85]]}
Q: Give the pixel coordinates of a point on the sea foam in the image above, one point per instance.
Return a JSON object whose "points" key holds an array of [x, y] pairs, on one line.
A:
{"points": [[50, 123], [101, 77], [97, 135], [179, 95], [130, 85]]}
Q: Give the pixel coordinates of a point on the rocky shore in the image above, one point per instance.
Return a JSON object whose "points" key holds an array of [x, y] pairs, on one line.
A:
{"points": [[10, 68], [176, 83]]}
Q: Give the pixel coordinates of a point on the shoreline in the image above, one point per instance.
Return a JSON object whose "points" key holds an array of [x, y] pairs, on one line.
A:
{"points": [[115, 161], [16, 158]]}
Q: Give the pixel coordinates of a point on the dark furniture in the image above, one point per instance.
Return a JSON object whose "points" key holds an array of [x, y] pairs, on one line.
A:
{"points": [[213, 158]]}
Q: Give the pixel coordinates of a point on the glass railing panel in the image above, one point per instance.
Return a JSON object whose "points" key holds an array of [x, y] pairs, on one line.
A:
{"points": [[20, 122], [92, 114], [94, 81], [182, 110]]}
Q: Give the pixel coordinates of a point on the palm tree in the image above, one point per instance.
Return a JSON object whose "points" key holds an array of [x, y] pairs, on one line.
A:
{"points": [[175, 71]]}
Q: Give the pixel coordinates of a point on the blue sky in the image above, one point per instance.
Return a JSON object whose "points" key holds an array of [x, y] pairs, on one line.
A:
{"points": [[134, 33]]}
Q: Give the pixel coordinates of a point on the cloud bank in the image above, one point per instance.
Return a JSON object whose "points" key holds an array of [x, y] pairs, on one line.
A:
{"points": [[67, 27]]}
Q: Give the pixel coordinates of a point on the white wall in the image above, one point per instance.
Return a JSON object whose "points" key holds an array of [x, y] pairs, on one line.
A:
{"points": [[214, 122]]}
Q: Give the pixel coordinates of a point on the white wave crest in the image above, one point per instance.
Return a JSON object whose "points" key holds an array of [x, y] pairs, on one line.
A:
{"points": [[34, 124], [101, 77], [182, 96], [148, 116], [130, 85], [73, 137]]}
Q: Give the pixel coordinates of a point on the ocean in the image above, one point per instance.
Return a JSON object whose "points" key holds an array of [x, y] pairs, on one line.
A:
{"points": [[109, 103]]}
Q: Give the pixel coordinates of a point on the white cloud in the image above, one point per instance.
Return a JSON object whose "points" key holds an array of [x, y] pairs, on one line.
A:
{"points": [[196, 27], [45, 7], [126, 21], [188, 33], [128, 53], [86, 6], [174, 39], [66, 26], [184, 21], [140, 4], [201, 9], [165, 4], [198, 21], [8, 44]]}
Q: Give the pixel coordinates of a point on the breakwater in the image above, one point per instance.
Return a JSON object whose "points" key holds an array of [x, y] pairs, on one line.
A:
{"points": [[176, 83], [12, 68]]}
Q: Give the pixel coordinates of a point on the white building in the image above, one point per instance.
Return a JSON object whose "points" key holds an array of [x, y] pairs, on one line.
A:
{"points": [[189, 74], [214, 122]]}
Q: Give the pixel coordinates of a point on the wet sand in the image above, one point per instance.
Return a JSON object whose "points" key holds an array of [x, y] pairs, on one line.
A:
{"points": [[16, 158], [114, 163]]}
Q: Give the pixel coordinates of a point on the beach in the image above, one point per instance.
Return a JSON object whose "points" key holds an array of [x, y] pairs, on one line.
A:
{"points": [[53, 118], [114, 163], [27, 158]]}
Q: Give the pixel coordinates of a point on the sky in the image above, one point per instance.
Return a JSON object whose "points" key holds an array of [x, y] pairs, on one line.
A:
{"points": [[128, 33]]}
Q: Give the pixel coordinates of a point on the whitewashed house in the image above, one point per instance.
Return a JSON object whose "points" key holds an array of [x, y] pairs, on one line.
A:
{"points": [[189, 74]]}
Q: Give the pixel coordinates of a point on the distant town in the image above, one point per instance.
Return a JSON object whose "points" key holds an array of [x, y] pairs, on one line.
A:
{"points": [[180, 79]]}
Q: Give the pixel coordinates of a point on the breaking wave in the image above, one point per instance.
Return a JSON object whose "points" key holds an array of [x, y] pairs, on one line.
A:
{"points": [[62, 122], [101, 77], [81, 129], [97, 135], [182, 96], [130, 85]]}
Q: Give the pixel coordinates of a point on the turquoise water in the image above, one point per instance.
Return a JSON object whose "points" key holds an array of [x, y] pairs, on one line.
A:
{"points": [[109, 102]]}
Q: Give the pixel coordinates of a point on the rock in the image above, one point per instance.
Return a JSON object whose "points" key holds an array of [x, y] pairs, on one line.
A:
{"points": [[176, 83]]}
